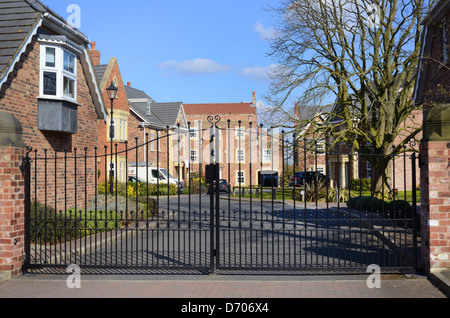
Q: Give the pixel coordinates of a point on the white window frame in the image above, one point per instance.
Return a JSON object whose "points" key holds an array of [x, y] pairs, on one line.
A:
{"points": [[60, 71], [152, 141], [238, 155], [267, 155], [369, 170], [239, 132], [193, 133], [193, 155], [320, 146], [240, 175], [123, 129]]}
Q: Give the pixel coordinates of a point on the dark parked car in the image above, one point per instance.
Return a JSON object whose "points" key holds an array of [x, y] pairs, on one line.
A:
{"points": [[223, 186], [301, 178], [269, 180]]}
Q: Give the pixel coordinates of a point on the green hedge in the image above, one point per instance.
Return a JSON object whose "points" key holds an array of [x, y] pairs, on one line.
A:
{"points": [[130, 190], [397, 209], [51, 227]]}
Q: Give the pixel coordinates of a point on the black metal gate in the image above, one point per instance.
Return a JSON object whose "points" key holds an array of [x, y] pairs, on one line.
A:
{"points": [[278, 220]]}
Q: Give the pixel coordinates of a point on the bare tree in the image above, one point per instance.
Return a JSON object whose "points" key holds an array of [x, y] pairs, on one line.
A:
{"points": [[356, 58]]}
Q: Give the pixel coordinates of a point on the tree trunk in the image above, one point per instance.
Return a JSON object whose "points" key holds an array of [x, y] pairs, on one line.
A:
{"points": [[382, 176]]}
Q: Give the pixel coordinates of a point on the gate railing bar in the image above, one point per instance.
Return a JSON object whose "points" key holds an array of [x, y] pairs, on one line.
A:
{"points": [[295, 162], [283, 198], [26, 171], [212, 207], [240, 186], [414, 208], [251, 191], [189, 185]]}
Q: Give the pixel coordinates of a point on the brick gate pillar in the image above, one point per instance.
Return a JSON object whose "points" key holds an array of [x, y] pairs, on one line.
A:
{"points": [[12, 204], [435, 189]]}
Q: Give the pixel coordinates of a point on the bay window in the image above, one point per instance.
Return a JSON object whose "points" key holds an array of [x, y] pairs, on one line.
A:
{"points": [[58, 73]]}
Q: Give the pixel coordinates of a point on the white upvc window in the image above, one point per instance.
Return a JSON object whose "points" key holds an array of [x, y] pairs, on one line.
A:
{"points": [[123, 129], [240, 132], [152, 141], [194, 156], [193, 132], [58, 73], [240, 155], [267, 155], [320, 145]]}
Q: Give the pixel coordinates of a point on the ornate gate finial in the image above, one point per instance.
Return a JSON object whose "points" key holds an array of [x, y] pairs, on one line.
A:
{"points": [[214, 120]]}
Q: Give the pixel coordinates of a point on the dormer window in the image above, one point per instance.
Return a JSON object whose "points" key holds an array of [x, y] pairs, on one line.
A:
{"points": [[58, 73]]}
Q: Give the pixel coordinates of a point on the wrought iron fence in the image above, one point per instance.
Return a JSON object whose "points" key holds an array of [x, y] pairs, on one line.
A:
{"points": [[312, 208]]}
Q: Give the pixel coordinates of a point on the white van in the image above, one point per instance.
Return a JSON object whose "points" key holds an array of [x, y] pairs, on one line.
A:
{"points": [[139, 173]]}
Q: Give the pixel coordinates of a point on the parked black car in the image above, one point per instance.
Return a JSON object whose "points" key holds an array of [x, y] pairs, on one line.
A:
{"points": [[269, 180], [223, 186], [303, 177]]}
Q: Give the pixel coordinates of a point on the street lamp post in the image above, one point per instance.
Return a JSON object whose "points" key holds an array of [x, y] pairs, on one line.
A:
{"points": [[112, 94]]}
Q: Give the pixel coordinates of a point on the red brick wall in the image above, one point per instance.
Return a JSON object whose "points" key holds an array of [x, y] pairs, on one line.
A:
{"points": [[19, 97], [435, 210], [12, 210], [435, 158]]}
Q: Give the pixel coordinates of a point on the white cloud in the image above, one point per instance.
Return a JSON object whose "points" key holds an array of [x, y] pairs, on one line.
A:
{"points": [[265, 34], [194, 67], [258, 73]]}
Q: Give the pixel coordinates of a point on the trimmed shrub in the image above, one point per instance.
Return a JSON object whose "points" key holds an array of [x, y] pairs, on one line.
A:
{"points": [[398, 209], [366, 203]]}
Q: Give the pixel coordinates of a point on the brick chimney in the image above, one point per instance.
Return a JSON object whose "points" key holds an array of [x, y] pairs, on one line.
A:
{"points": [[296, 112], [254, 99], [95, 55]]}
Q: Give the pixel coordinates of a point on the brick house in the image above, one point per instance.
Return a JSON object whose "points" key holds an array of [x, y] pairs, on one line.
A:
{"points": [[107, 74], [159, 123], [344, 167], [48, 82], [137, 121], [314, 160], [238, 152], [432, 93]]}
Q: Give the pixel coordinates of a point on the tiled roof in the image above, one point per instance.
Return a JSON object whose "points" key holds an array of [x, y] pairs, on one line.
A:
{"points": [[100, 71], [134, 93], [17, 19], [214, 109], [162, 114], [20, 20]]}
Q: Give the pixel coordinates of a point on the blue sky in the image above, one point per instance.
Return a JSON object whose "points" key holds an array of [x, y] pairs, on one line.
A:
{"points": [[197, 51]]}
